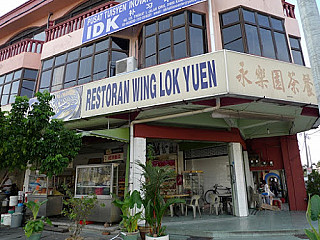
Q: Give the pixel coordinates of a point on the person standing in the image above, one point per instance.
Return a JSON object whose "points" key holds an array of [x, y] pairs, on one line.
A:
{"points": [[267, 193]]}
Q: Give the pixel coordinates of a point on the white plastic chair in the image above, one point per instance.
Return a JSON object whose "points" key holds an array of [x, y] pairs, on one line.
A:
{"points": [[194, 203], [215, 203]]}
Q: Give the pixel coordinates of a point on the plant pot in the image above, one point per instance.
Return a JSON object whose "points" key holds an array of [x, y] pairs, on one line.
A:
{"points": [[130, 236], [35, 236], [143, 231], [166, 237]]}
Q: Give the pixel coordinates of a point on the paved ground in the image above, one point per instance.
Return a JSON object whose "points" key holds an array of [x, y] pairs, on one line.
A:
{"points": [[266, 225]]}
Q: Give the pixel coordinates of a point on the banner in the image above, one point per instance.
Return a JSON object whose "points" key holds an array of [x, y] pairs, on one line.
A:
{"points": [[192, 78], [127, 14]]}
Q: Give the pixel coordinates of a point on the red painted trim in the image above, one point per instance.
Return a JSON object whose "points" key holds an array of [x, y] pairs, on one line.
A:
{"points": [[311, 112], [178, 133], [126, 116], [210, 102], [225, 101], [228, 101], [294, 173]]}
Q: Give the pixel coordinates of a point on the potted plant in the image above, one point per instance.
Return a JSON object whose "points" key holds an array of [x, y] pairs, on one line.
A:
{"points": [[155, 206], [34, 227], [130, 215]]}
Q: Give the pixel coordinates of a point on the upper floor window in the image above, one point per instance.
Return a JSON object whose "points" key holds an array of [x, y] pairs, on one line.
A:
{"points": [[18, 83], [88, 63], [90, 4], [296, 50], [255, 33], [171, 38], [35, 33]]}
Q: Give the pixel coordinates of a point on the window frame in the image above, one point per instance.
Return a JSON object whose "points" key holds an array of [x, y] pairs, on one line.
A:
{"points": [[186, 25], [109, 49], [258, 26], [297, 49], [21, 78]]}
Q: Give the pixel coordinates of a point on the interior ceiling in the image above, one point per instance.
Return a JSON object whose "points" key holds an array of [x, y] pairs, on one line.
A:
{"points": [[255, 119]]}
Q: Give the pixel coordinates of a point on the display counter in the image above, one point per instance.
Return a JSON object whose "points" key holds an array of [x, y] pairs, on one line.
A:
{"points": [[51, 208], [101, 180], [41, 188]]}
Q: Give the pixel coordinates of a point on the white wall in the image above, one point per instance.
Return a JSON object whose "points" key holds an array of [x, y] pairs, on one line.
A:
{"points": [[215, 170]]}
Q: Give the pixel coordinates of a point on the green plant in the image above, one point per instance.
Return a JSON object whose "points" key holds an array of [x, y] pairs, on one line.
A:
{"points": [[78, 210], [129, 206], [155, 206], [35, 225], [313, 214], [313, 183], [29, 135]]}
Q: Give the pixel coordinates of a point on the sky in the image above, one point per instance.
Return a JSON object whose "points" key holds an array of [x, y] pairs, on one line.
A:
{"points": [[313, 136]]}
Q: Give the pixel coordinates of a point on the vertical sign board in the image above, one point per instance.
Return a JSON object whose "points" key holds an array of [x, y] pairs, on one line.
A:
{"points": [[128, 14]]}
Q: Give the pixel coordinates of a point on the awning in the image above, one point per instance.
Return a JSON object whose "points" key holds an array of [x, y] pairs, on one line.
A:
{"points": [[117, 134]]}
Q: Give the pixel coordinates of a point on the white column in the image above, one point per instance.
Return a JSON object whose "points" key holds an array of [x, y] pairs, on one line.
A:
{"points": [[240, 202], [138, 155]]}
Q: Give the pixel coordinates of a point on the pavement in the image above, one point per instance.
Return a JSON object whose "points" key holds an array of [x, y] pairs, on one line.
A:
{"points": [[266, 225]]}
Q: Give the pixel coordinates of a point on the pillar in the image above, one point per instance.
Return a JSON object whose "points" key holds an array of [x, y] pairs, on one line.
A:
{"points": [[138, 153], [238, 181], [294, 174]]}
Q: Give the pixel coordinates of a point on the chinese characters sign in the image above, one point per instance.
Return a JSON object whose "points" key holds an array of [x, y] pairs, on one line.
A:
{"points": [[267, 78], [127, 14]]}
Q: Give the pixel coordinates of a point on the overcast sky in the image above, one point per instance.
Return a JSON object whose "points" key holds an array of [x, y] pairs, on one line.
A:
{"points": [[313, 136]]}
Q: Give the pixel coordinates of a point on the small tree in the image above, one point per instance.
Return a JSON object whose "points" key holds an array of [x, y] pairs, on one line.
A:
{"points": [[30, 136], [78, 210], [313, 183]]}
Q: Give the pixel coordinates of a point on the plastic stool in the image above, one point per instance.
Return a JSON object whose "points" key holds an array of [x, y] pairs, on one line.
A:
{"points": [[277, 202]]}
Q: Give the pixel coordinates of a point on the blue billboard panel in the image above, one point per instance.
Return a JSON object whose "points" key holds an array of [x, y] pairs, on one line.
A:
{"points": [[127, 14]]}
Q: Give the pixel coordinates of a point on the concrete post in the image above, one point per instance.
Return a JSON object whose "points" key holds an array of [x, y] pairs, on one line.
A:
{"points": [[248, 173], [239, 191], [310, 20], [139, 155]]}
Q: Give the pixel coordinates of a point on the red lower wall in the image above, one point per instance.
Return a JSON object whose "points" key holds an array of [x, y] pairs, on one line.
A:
{"points": [[284, 152], [294, 173]]}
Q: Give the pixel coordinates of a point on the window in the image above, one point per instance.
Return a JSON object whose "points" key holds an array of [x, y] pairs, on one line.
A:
{"points": [[18, 83], [175, 37], [296, 50], [255, 33], [88, 63], [86, 6]]}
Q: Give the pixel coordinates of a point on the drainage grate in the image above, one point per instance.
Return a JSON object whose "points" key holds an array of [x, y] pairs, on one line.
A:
{"points": [[301, 236]]}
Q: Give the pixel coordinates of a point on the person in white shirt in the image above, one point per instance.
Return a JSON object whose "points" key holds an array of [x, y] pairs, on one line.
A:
{"points": [[267, 193]]}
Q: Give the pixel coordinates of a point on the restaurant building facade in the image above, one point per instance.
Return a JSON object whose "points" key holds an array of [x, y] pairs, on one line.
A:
{"points": [[216, 87]]}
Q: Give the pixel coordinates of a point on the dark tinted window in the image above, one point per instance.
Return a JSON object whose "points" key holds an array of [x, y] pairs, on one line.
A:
{"points": [[248, 16], [263, 20], [11, 84], [85, 64], [296, 50], [230, 17], [255, 33], [282, 47], [253, 39], [174, 37]]}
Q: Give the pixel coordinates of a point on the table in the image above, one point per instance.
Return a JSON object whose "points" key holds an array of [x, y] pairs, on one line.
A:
{"points": [[181, 204], [224, 199]]}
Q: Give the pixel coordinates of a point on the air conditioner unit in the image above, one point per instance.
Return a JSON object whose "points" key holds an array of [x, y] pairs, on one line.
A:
{"points": [[126, 65]]}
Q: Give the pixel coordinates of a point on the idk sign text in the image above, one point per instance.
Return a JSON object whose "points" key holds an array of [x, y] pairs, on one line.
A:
{"points": [[127, 14]]}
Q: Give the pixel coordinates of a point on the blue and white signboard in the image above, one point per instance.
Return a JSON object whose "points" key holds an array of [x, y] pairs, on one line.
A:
{"points": [[186, 79], [127, 14]]}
